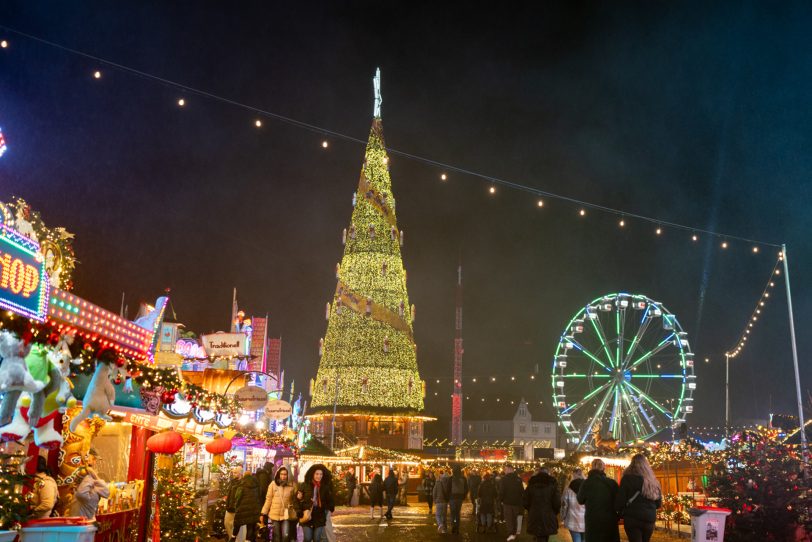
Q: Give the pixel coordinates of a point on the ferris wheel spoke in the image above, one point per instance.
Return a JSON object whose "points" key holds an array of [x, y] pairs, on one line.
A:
{"points": [[575, 406], [598, 414], [620, 328], [641, 331], [648, 399], [598, 327], [589, 354], [635, 408], [656, 350]]}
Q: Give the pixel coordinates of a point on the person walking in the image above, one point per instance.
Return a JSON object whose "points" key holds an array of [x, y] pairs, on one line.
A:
{"points": [[572, 513], [497, 482], [92, 488], [278, 507], [598, 493], [457, 489], [440, 497], [264, 478], [543, 502], [512, 493], [376, 493], [403, 482], [314, 501], [247, 507], [351, 482], [487, 504], [44, 493], [428, 488], [474, 479], [231, 502], [390, 487], [638, 499]]}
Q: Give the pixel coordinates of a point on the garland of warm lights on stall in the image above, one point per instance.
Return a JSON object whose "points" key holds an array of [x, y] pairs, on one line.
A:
{"points": [[266, 437]]}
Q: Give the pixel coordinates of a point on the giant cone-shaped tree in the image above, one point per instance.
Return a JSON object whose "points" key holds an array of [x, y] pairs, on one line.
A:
{"points": [[369, 349]]}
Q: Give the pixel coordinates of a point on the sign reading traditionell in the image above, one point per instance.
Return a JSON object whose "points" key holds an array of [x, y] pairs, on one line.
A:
{"points": [[23, 282], [224, 345]]}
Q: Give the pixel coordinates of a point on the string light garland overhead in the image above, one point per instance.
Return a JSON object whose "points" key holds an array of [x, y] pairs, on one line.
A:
{"points": [[762, 302], [446, 168]]}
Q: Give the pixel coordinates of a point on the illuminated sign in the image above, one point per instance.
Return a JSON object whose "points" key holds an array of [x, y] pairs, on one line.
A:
{"points": [[251, 397], [278, 409], [2, 144], [23, 282], [224, 344]]}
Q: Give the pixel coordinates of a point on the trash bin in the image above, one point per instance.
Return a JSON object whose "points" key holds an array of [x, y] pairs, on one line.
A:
{"points": [[66, 529], [708, 523]]}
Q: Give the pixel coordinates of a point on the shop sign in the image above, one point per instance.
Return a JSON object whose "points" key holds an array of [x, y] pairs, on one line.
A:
{"points": [[251, 397], [189, 349], [278, 409], [224, 344], [493, 454], [23, 282]]}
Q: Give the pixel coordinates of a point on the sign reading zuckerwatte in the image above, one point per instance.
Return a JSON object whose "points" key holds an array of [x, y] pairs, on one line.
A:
{"points": [[278, 409], [251, 397], [224, 344], [23, 282]]}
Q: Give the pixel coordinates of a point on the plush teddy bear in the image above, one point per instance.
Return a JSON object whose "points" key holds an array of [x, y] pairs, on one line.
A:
{"points": [[99, 397]]}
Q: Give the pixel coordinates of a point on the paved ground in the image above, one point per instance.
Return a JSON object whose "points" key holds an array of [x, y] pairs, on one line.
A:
{"points": [[413, 524]]}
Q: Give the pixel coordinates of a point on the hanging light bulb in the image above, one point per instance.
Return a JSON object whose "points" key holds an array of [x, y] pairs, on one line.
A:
{"points": [[443, 177], [97, 74], [659, 230], [4, 44], [181, 102], [492, 190], [622, 222], [582, 212], [324, 144], [724, 244], [258, 123], [694, 237], [755, 250], [540, 203]]}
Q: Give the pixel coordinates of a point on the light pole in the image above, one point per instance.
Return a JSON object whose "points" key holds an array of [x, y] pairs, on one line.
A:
{"points": [[727, 394], [795, 357]]}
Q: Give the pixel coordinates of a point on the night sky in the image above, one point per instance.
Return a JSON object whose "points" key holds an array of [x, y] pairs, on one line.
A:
{"points": [[689, 113]]}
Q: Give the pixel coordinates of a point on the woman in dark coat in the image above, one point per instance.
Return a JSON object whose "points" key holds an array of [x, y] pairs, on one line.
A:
{"points": [[247, 507], [543, 501], [598, 493], [376, 493], [638, 499], [487, 504], [316, 495]]}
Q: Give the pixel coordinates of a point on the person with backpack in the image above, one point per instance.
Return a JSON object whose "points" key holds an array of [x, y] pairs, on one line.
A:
{"points": [[487, 504], [457, 491], [598, 493], [543, 502], [45, 494], [440, 496], [638, 499], [512, 494], [427, 488], [572, 513], [247, 508], [376, 493], [390, 487]]}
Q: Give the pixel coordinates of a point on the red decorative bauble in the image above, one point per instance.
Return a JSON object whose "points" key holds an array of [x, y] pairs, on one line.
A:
{"points": [[120, 362], [168, 442]]}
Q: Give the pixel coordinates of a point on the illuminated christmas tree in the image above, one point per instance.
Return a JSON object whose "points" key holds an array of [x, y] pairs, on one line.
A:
{"points": [[181, 519], [13, 506], [368, 368]]}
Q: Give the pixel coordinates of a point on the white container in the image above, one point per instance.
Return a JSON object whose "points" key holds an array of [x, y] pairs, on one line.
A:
{"points": [[58, 533], [8, 536], [708, 524]]}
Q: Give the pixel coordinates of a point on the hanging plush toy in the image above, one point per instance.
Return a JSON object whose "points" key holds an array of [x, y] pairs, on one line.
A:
{"points": [[99, 397], [14, 375]]}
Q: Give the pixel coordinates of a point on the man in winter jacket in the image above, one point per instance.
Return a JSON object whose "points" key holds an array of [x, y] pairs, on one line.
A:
{"points": [[598, 493], [390, 487], [440, 496], [512, 494], [457, 487], [473, 485], [248, 507], [264, 478], [543, 502], [231, 502], [351, 482]]}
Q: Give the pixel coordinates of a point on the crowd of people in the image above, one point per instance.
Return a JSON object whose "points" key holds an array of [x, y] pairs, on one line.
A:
{"points": [[590, 507]]}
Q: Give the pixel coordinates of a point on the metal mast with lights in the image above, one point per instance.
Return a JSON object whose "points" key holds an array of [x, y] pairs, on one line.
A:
{"points": [[456, 398]]}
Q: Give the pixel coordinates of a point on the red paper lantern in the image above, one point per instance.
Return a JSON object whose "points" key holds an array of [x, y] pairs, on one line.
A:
{"points": [[218, 447], [165, 445]]}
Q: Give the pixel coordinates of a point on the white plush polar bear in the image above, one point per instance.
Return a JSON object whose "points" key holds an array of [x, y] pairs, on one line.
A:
{"points": [[14, 375], [99, 397]]}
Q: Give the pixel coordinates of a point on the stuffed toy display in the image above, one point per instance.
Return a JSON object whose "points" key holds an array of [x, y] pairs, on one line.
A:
{"points": [[14, 375], [99, 397]]}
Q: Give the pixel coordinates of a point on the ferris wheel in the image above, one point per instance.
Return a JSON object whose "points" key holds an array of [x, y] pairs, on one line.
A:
{"points": [[623, 368]]}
